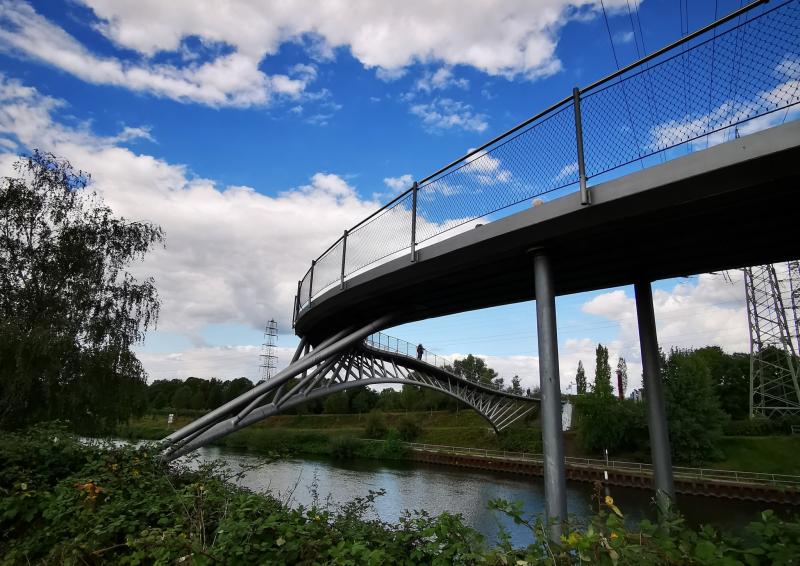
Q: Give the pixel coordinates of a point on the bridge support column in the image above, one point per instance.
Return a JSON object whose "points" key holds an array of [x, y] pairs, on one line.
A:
{"points": [[654, 397], [555, 489]]}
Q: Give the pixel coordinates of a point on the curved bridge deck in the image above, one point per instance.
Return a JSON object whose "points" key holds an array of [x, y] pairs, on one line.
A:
{"points": [[724, 207]]}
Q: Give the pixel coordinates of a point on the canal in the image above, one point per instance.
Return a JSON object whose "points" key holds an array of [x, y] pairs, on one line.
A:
{"points": [[436, 489]]}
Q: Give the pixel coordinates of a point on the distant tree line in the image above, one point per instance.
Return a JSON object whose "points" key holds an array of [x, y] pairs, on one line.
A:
{"points": [[704, 390], [473, 368]]}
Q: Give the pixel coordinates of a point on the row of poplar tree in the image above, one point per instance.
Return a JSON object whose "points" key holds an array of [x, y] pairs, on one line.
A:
{"points": [[704, 389]]}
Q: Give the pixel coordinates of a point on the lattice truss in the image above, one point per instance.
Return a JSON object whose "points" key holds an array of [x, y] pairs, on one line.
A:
{"points": [[773, 295], [360, 365]]}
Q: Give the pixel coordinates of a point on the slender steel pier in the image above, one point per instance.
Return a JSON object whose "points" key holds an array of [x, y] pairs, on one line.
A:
{"points": [[654, 396], [555, 488]]}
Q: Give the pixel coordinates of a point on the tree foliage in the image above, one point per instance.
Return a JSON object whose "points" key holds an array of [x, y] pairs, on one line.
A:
{"points": [[622, 371], [70, 312], [580, 379], [730, 375], [474, 369], [608, 422], [602, 373], [695, 419]]}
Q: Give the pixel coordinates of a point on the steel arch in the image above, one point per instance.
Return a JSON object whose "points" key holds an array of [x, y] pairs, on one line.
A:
{"points": [[357, 365]]}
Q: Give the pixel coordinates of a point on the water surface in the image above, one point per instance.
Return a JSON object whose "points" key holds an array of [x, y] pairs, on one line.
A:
{"points": [[438, 488]]}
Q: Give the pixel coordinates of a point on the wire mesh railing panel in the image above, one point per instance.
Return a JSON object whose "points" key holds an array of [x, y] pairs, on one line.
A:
{"points": [[721, 81], [328, 269], [305, 286], [540, 159], [388, 343], [740, 74], [387, 233]]}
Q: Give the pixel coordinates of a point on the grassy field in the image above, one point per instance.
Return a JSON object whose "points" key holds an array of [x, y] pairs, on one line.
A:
{"points": [[318, 434], [465, 428], [768, 454]]}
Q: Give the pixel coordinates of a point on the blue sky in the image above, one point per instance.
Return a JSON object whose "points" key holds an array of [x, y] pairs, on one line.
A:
{"points": [[255, 134]]}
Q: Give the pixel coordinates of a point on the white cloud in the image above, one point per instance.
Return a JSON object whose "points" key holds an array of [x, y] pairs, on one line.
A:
{"points": [[511, 38], [440, 79], [567, 172], [233, 79], [390, 75], [706, 311], [129, 133], [445, 114], [673, 132], [486, 168], [399, 184], [571, 352], [223, 362], [232, 254], [623, 37]]}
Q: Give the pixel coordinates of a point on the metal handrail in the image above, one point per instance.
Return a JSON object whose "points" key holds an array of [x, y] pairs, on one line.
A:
{"points": [[463, 160], [382, 341], [707, 474]]}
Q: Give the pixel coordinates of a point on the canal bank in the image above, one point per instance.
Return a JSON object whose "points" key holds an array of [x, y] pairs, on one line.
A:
{"points": [[728, 484], [337, 436]]}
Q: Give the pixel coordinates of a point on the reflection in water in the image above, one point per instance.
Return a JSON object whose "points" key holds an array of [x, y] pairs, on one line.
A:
{"points": [[435, 489]]}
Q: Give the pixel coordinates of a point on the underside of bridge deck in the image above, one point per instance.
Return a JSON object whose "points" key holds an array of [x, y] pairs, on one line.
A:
{"points": [[725, 207]]}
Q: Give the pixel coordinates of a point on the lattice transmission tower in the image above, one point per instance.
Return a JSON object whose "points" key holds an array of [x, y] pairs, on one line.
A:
{"points": [[268, 357], [773, 299]]}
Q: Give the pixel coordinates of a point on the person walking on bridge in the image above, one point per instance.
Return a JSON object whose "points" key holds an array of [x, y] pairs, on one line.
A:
{"points": [[420, 350]]}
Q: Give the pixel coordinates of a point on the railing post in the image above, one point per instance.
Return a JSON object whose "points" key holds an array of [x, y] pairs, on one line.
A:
{"points": [[311, 282], [344, 254], [299, 299], [576, 103], [414, 190]]}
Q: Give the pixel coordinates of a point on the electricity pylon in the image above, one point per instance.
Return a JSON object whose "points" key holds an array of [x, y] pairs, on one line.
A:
{"points": [[773, 297], [268, 357]]}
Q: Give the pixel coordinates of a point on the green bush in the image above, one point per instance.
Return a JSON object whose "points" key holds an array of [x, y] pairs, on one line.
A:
{"points": [[607, 422], [409, 429], [393, 447], [526, 439], [281, 441], [759, 426], [344, 447], [64, 502], [751, 427], [608, 540], [375, 426], [693, 412]]}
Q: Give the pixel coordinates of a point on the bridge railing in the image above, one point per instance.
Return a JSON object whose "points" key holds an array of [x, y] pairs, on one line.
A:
{"points": [[388, 343], [735, 76], [706, 474]]}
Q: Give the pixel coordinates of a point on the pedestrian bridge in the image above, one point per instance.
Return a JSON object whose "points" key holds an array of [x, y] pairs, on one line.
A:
{"points": [[683, 162], [375, 360], [655, 171]]}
